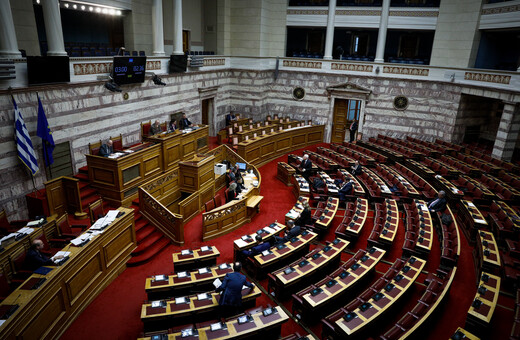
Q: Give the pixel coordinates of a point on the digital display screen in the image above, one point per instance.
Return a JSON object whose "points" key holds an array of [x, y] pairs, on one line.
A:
{"points": [[128, 69], [47, 70]]}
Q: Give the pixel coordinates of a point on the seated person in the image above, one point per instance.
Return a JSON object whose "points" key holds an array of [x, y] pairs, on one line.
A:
{"points": [[230, 118], [291, 231], [35, 259], [106, 149], [305, 216], [260, 247], [173, 125], [438, 204], [185, 122], [230, 176], [232, 194], [346, 189], [240, 185], [356, 169], [237, 172], [155, 128], [318, 183]]}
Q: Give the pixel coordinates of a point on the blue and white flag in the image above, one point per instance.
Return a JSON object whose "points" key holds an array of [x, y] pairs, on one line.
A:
{"points": [[44, 132], [23, 142]]}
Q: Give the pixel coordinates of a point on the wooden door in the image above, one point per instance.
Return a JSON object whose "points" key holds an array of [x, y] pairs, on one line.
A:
{"points": [[339, 121]]}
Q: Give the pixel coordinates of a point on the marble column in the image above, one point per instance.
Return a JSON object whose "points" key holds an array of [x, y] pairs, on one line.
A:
{"points": [[53, 28], [381, 36], [8, 42], [157, 28], [508, 130], [177, 27], [329, 38]]}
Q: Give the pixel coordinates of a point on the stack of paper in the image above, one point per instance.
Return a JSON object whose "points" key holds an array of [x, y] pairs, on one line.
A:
{"points": [[35, 223], [25, 231], [116, 155], [81, 239], [63, 254], [104, 221], [270, 230]]}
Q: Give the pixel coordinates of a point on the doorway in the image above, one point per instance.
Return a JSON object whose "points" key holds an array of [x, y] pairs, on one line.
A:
{"points": [[346, 111], [207, 108]]}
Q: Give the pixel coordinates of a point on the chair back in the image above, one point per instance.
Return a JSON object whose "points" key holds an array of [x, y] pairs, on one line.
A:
{"points": [[209, 205], [226, 193], [93, 148], [95, 210], [145, 128], [218, 201], [18, 261], [63, 224], [117, 142], [164, 126]]}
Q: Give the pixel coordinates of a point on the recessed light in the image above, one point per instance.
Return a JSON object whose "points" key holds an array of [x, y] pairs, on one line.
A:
{"points": [[66, 5], [91, 8], [104, 10], [83, 7], [74, 6], [119, 12], [98, 9]]}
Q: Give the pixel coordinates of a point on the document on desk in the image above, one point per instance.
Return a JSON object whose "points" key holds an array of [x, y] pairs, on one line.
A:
{"points": [[217, 283], [270, 230], [35, 223], [81, 239]]}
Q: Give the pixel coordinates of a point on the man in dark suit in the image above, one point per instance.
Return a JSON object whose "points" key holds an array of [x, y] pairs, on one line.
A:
{"points": [[230, 118], [356, 169], [231, 297], [260, 247], [106, 149], [35, 259], [346, 189], [353, 128], [306, 166], [185, 122], [438, 204], [291, 231], [155, 128]]}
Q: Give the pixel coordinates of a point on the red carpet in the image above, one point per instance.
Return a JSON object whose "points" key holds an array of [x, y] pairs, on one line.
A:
{"points": [[115, 313]]}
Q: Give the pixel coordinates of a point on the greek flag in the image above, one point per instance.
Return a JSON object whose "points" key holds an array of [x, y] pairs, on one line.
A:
{"points": [[23, 142]]}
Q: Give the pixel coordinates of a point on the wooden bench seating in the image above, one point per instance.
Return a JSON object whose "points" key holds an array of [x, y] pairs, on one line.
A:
{"points": [[354, 220], [386, 223]]}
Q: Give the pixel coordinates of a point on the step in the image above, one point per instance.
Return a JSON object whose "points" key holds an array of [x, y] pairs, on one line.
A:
{"points": [[89, 200], [136, 202], [137, 216], [140, 224], [82, 185], [144, 232], [83, 170], [82, 177], [148, 242], [148, 253], [87, 192]]}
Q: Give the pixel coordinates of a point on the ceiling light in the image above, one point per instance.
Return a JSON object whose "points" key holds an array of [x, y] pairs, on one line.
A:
{"points": [[104, 11], [83, 7], [119, 12], [91, 8], [98, 9], [74, 6], [66, 5], [112, 11], [37, 1]]}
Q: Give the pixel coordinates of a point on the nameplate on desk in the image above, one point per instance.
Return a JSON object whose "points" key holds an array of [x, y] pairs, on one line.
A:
{"points": [[186, 252], [181, 275], [158, 304], [181, 300], [189, 332], [288, 271], [243, 319], [160, 278], [224, 266], [203, 296], [216, 326], [247, 238], [203, 270], [205, 248], [266, 253]]}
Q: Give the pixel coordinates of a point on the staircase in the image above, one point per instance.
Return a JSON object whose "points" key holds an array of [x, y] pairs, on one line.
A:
{"points": [[150, 241]]}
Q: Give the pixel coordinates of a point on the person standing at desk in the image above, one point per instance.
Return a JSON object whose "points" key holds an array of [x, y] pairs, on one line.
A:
{"points": [[305, 216], [353, 128], [306, 166], [155, 128], [231, 297], [230, 118], [35, 259], [185, 122], [106, 149]]}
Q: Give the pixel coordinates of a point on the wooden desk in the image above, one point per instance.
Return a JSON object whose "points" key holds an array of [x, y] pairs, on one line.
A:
{"points": [[345, 278], [301, 186], [246, 134], [328, 214], [178, 145], [285, 173], [48, 311], [392, 225], [479, 318], [296, 211], [196, 259], [332, 189], [288, 250], [511, 214], [117, 179], [467, 335], [268, 326], [265, 148], [363, 317], [301, 271], [422, 169], [172, 314], [352, 227], [358, 188], [471, 219], [175, 285], [487, 249], [378, 181], [451, 190], [425, 232], [412, 191], [248, 241]]}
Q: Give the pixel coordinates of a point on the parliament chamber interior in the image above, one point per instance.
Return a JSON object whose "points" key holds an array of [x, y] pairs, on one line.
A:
{"points": [[260, 169]]}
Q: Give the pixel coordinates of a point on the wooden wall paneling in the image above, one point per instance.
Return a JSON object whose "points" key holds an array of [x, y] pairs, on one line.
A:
{"points": [[84, 277], [72, 195], [56, 197], [47, 319], [119, 246], [190, 207]]}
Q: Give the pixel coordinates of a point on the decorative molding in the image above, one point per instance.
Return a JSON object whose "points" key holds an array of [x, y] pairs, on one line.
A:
{"points": [[159, 182], [302, 64], [500, 10], [420, 14], [352, 67], [212, 216], [364, 12], [82, 69], [214, 62], [91, 68], [488, 78], [153, 65], [414, 71], [307, 11]]}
